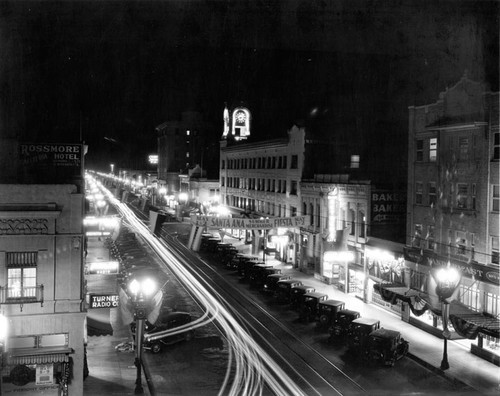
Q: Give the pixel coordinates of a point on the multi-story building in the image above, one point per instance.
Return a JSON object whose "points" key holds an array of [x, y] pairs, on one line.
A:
{"points": [[453, 202], [41, 271], [183, 144]]}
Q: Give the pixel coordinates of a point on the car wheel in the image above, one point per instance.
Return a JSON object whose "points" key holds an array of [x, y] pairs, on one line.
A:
{"points": [[156, 347], [323, 320]]}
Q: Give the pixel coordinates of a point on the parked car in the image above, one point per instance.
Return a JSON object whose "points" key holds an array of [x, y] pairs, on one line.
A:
{"points": [[253, 267], [284, 288], [297, 294], [309, 308], [271, 281], [245, 267], [222, 247], [328, 312], [259, 272], [340, 326], [240, 258], [386, 346], [358, 333], [166, 321], [209, 244]]}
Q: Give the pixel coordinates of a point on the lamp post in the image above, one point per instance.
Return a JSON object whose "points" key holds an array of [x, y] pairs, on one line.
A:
{"points": [[142, 290], [447, 280]]}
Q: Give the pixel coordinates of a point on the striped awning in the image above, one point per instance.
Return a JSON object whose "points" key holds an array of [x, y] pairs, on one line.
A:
{"points": [[39, 356]]}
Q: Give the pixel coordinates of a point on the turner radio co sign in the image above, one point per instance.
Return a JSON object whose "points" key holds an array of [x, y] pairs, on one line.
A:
{"points": [[250, 224], [104, 300]]}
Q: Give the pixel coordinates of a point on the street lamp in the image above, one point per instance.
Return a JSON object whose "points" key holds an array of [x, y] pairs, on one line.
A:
{"points": [[447, 280], [142, 290]]}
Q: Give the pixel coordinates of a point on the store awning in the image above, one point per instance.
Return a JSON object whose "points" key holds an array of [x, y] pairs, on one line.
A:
{"points": [[98, 323], [392, 292], [39, 355], [470, 324]]}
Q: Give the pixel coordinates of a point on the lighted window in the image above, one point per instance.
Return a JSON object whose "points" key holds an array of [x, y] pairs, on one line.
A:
{"points": [[495, 203], [433, 149], [420, 150], [491, 304], [188, 132], [496, 146], [432, 194], [21, 275], [462, 195], [354, 161], [419, 191]]}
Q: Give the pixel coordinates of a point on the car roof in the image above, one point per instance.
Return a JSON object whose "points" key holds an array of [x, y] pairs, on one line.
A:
{"points": [[333, 303], [288, 281], [366, 321], [348, 312], [304, 287], [385, 333], [279, 276], [315, 294]]}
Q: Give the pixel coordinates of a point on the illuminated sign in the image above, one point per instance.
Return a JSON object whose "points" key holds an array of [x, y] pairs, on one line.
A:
{"points": [[103, 267], [153, 159], [104, 300], [250, 224], [44, 374], [388, 207]]}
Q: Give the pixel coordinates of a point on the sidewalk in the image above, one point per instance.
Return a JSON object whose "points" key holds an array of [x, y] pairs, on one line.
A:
{"points": [[111, 370], [425, 348]]}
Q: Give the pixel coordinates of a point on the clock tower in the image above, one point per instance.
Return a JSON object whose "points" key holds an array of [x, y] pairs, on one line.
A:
{"points": [[238, 125]]}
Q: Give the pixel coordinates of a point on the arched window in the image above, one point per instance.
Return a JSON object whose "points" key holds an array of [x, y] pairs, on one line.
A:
{"points": [[362, 224]]}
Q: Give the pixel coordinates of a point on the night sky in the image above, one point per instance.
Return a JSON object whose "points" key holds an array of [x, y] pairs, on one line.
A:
{"points": [[108, 72]]}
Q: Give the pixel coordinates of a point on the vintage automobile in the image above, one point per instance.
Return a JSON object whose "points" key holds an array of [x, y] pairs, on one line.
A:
{"points": [[309, 307], [340, 326], [297, 294], [155, 340], [222, 247], [358, 334], [284, 288], [386, 346], [209, 244], [237, 262], [247, 268], [259, 274], [327, 312], [271, 282]]}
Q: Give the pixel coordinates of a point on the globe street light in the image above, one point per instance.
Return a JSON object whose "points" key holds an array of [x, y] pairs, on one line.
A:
{"points": [[447, 280], [142, 291]]}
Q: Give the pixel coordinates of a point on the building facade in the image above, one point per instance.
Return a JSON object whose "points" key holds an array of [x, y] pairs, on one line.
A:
{"points": [[41, 273], [453, 201]]}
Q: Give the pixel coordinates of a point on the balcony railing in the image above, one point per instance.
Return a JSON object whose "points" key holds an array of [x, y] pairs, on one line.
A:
{"points": [[24, 295]]}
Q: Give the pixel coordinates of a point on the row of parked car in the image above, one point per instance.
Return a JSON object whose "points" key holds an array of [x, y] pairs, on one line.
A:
{"points": [[364, 337]]}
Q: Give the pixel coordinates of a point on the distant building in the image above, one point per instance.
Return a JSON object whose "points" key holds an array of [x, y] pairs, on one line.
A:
{"points": [[182, 144], [41, 271], [454, 200]]}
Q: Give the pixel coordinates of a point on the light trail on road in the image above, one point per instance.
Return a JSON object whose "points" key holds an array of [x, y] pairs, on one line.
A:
{"points": [[253, 367]]}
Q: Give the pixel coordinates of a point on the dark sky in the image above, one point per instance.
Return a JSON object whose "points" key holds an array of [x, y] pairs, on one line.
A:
{"points": [[116, 69]]}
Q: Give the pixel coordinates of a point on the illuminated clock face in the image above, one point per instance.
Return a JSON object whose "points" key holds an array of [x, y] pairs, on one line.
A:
{"points": [[241, 117]]}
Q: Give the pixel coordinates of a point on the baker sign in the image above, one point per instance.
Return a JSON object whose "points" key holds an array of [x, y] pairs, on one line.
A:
{"points": [[104, 300]]}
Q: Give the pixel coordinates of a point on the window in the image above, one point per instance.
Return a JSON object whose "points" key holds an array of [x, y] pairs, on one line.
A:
{"points": [[420, 150], [283, 187], [432, 194], [352, 220], [223, 164], [473, 196], [293, 211], [293, 189], [463, 148], [431, 244], [285, 162], [222, 179], [495, 204], [279, 162], [362, 224], [295, 162], [21, 274], [417, 236], [418, 280], [419, 190], [311, 213], [462, 194], [304, 209], [355, 161], [494, 250], [433, 149], [461, 243], [491, 304], [318, 216], [496, 146]]}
